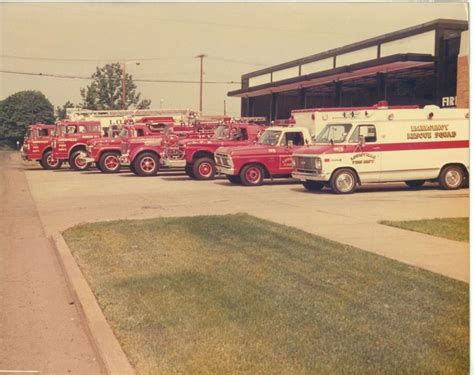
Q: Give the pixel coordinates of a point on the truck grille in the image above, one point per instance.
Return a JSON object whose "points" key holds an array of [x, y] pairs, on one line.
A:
{"points": [[305, 164], [222, 160]]}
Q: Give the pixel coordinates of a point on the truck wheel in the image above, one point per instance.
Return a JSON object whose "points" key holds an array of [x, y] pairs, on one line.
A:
{"points": [[234, 179], [77, 164], [252, 175], [132, 168], [146, 164], [204, 169], [189, 171], [313, 185], [109, 163], [343, 181], [48, 162], [451, 177], [414, 184]]}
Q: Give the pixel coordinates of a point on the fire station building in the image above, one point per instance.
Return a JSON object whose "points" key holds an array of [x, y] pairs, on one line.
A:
{"points": [[417, 65]]}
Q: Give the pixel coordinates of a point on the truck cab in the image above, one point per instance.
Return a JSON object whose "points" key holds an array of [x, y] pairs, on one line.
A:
{"points": [[37, 146], [269, 157], [197, 156], [70, 141], [105, 152]]}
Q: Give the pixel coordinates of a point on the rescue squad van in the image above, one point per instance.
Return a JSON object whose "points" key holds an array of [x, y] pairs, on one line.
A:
{"points": [[386, 145]]}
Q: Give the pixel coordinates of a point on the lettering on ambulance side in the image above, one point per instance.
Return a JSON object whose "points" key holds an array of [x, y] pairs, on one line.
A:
{"points": [[430, 132], [363, 158]]}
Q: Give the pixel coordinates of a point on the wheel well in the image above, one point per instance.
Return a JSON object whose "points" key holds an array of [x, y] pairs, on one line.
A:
{"points": [[460, 165], [109, 152], [203, 154], [352, 169], [46, 150], [77, 148], [146, 151], [265, 170]]}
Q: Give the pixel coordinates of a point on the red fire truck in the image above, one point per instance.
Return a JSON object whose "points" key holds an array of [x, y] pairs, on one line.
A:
{"points": [[197, 156], [37, 146], [70, 140], [105, 152], [143, 155]]}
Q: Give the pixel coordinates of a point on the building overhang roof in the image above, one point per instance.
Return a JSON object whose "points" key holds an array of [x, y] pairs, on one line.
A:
{"points": [[367, 68]]}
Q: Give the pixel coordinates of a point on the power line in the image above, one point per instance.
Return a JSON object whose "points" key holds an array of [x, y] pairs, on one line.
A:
{"points": [[66, 76], [88, 60], [236, 61]]}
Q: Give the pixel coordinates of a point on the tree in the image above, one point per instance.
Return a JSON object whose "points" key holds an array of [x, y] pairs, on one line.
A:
{"points": [[105, 91], [61, 111], [22, 109]]}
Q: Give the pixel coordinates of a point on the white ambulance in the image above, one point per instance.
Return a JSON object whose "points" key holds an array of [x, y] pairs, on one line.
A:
{"points": [[386, 145]]}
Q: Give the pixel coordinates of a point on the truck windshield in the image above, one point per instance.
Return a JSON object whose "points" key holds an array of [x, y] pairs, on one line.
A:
{"points": [[222, 132], [336, 133], [269, 137]]}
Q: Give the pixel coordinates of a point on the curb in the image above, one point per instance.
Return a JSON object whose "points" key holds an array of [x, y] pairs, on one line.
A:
{"points": [[114, 359]]}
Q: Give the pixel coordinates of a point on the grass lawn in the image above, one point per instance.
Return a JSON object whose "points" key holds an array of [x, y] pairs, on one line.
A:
{"points": [[236, 294], [452, 229]]}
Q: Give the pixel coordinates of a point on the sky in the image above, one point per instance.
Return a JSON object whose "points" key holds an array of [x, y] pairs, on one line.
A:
{"points": [[72, 39]]}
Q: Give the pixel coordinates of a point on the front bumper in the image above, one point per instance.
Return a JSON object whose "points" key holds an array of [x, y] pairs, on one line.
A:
{"points": [[124, 159], [225, 170], [84, 158], [173, 163], [310, 176]]}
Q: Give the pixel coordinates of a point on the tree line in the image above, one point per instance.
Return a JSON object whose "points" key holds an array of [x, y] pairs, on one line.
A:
{"points": [[104, 93]]}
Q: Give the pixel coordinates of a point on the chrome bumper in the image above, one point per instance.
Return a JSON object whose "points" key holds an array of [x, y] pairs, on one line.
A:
{"points": [[310, 176], [173, 163], [124, 159], [225, 170]]}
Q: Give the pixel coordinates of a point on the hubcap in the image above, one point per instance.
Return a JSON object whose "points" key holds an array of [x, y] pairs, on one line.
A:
{"points": [[51, 161], [253, 175], [111, 162], [80, 163], [205, 169], [345, 182], [147, 164], [453, 178]]}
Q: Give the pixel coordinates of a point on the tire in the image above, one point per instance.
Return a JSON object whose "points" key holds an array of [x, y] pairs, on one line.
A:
{"points": [[189, 171], [415, 184], [234, 179], [451, 177], [109, 162], [252, 175], [313, 185], [146, 164], [77, 165], [47, 161], [343, 181], [132, 168], [204, 169]]}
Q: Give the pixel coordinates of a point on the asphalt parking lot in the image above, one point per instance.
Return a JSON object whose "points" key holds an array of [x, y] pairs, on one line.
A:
{"points": [[65, 198]]}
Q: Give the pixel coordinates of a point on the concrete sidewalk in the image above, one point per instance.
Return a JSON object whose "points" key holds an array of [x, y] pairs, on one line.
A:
{"points": [[40, 327]]}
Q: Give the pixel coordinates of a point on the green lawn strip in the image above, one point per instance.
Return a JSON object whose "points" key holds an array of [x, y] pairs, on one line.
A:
{"points": [[451, 228], [236, 294]]}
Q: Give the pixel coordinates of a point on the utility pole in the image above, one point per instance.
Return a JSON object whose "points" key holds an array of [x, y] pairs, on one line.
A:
{"points": [[201, 56], [123, 86]]}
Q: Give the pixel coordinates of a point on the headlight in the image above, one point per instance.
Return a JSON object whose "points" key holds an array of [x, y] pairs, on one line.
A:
{"points": [[317, 163]]}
